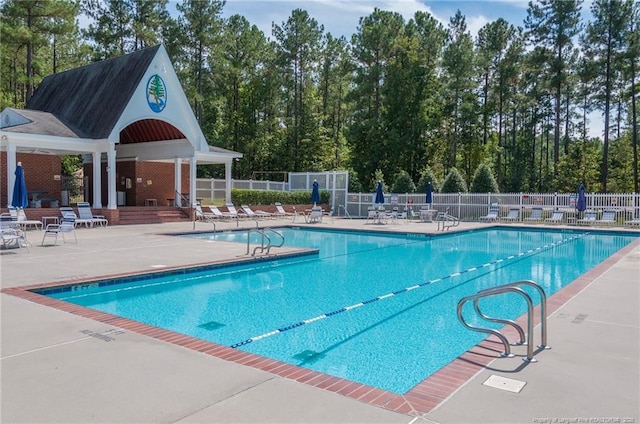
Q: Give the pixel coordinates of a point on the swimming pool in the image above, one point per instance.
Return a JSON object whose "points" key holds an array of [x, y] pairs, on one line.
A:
{"points": [[396, 337]]}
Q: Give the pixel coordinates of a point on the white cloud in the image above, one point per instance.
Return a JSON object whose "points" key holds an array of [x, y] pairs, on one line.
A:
{"points": [[475, 23]]}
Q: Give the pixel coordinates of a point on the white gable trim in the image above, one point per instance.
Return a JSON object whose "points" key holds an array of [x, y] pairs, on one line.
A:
{"points": [[177, 110]]}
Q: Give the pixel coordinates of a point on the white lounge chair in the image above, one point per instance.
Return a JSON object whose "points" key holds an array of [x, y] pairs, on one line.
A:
{"points": [[201, 215], [632, 223], [67, 225], [492, 216], [282, 212], [234, 212], [24, 222], [85, 213], [556, 217], [67, 211], [255, 214], [536, 215], [608, 218], [589, 218], [513, 215], [218, 214]]}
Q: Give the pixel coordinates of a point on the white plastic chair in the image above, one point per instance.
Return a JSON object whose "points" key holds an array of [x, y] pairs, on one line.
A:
{"points": [[85, 213], [67, 225]]}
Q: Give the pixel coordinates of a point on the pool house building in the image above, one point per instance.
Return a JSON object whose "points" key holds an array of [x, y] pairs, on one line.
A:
{"points": [[129, 119]]}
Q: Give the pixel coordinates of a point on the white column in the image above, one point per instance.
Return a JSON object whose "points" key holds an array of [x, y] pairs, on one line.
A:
{"points": [[177, 181], [11, 171], [227, 181], [112, 202], [192, 180], [97, 180]]}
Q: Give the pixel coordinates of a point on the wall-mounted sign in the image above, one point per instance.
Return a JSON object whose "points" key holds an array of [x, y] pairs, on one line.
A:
{"points": [[156, 93]]}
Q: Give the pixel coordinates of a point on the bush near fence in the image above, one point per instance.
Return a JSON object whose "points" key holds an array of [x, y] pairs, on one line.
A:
{"points": [[269, 197]]}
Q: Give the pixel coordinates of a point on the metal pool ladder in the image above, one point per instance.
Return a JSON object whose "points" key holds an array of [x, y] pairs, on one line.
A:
{"points": [[265, 240], [447, 220], [510, 288]]}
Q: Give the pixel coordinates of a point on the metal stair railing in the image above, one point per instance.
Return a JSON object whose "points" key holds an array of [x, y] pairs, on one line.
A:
{"points": [[184, 205], [264, 238], [510, 288], [447, 220]]}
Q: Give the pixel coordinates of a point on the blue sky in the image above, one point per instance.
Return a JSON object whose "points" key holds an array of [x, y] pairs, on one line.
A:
{"points": [[340, 17]]}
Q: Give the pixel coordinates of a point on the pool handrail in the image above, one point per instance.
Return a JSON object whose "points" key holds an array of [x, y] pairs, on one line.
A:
{"points": [[262, 246], [510, 288]]}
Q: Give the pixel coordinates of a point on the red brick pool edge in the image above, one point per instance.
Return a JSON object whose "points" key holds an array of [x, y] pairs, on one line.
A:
{"points": [[421, 399]]}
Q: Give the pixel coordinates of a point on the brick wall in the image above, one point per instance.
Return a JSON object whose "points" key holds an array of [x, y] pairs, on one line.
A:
{"points": [[148, 180], [39, 173]]}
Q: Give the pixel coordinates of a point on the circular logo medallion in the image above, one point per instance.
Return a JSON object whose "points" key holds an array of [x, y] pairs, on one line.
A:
{"points": [[156, 93]]}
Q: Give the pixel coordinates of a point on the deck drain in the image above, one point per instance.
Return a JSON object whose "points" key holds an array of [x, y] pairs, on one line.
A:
{"points": [[504, 383], [211, 326], [309, 356], [578, 319]]}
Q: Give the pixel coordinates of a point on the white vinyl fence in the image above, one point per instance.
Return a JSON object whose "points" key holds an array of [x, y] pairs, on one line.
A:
{"points": [[466, 206], [473, 206]]}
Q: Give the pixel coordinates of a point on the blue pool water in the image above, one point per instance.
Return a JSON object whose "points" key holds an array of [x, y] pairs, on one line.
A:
{"points": [[393, 342]]}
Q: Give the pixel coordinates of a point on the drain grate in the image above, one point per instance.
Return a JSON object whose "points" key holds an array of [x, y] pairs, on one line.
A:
{"points": [[211, 326], [309, 356], [579, 319], [503, 383]]}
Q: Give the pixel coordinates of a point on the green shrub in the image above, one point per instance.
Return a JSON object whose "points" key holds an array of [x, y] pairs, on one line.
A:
{"points": [[403, 184], [269, 197], [483, 181], [454, 183], [427, 176]]}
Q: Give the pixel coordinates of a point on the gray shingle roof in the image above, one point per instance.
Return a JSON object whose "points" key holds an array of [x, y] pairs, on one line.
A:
{"points": [[90, 99], [43, 123]]}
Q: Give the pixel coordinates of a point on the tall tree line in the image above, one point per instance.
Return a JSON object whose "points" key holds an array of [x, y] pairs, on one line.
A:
{"points": [[398, 96]]}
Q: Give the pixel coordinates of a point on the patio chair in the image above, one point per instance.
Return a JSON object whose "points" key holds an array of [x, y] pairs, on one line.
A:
{"points": [[67, 211], [234, 212], [85, 213], [218, 214], [257, 214], [315, 216], [492, 216], [200, 214], [589, 218], [67, 225], [556, 217], [513, 215], [372, 213], [11, 234], [536, 215], [282, 212], [19, 216], [632, 223], [608, 218]]}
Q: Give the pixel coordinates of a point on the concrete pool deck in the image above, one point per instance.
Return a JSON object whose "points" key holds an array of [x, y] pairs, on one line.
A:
{"points": [[61, 367]]}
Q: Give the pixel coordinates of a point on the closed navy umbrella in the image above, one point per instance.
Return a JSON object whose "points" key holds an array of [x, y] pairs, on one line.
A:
{"points": [[315, 193], [429, 194], [379, 194], [20, 199], [581, 206]]}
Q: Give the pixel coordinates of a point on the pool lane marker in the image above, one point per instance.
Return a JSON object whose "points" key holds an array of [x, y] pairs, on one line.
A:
{"points": [[385, 296]]}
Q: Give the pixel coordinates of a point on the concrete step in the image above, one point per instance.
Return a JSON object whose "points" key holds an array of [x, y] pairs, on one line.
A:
{"points": [[151, 215]]}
